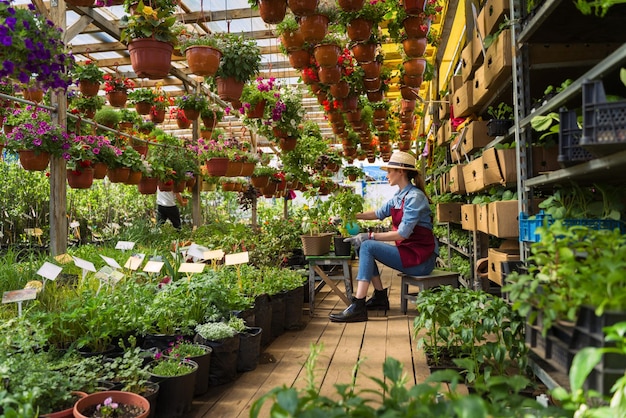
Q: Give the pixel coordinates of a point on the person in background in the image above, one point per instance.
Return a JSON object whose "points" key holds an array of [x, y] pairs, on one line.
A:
{"points": [[415, 250], [167, 209]]}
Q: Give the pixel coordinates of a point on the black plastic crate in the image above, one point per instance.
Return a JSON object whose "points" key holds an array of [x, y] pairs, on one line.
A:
{"points": [[604, 124], [570, 151]]}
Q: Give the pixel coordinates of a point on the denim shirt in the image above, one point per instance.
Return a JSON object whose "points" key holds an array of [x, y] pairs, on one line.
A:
{"points": [[416, 210]]}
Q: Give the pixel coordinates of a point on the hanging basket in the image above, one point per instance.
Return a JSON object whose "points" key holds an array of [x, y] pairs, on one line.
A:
{"points": [[229, 88], [340, 90], [327, 55], [292, 40], [272, 11], [351, 5], [330, 75], [288, 143], [314, 27], [134, 177], [100, 170], [415, 47], [80, 179], [150, 58], [191, 114], [166, 185], [117, 98], [416, 26], [118, 174], [148, 185], [256, 111], [414, 67], [316, 244], [143, 108], [260, 181], [32, 161], [157, 115], [302, 7], [88, 88], [364, 52], [299, 58], [360, 29], [414, 7], [203, 60], [217, 166]]}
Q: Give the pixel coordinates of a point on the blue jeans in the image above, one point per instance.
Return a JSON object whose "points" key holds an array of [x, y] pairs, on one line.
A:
{"points": [[372, 251]]}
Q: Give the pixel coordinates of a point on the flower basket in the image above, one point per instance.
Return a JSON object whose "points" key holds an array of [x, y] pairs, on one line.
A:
{"points": [[117, 98], [134, 177], [118, 174], [314, 27], [272, 11], [247, 168], [80, 179], [316, 244], [233, 169], [260, 181], [166, 185], [150, 58], [203, 60], [416, 26], [217, 166], [143, 108], [86, 406], [157, 115], [256, 112], [148, 185], [33, 161], [89, 88], [360, 29], [229, 88]]}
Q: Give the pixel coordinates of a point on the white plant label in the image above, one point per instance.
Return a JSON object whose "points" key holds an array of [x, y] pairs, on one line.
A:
{"points": [[111, 262], [49, 271], [153, 266], [196, 251], [134, 261], [19, 295], [124, 245], [237, 258], [191, 267], [214, 255]]}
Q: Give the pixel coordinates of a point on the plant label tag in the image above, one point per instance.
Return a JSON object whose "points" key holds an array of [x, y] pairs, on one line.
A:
{"points": [[74, 224], [196, 251], [134, 261], [237, 258], [191, 267], [84, 264], [111, 262], [213, 255], [104, 273], [19, 295], [116, 276], [124, 245], [33, 232], [153, 266], [49, 271], [64, 258]]}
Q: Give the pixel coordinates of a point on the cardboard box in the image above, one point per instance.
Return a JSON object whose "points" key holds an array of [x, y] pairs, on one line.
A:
{"points": [[480, 94], [444, 107], [475, 137], [456, 151], [456, 82], [499, 60], [477, 50], [468, 217], [545, 160], [444, 183], [482, 218], [449, 212], [495, 12], [495, 258], [482, 172], [441, 135], [457, 184], [504, 219], [508, 165], [467, 63], [462, 102]]}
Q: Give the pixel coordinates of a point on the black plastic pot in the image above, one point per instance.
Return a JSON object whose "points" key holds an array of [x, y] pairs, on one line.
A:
{"points": [[342, 248], [249, 349], [498, 127], [263, 317], [278, 314], [294, 303]]}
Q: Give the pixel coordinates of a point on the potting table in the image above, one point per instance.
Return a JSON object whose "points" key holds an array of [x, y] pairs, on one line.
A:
{"points": [[315, 270]]}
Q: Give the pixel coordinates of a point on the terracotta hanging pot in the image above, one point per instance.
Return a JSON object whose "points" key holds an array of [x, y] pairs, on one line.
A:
{"points": [[299, 58], [413, 81], [330, 75], [247, 168], [360, 29], [260, 181], [118, 174], [302, 7], [321, 97], [183, 123], [407, 105], [414, 6], [216, 166], [372, 69], [203, 60], [150, 58], [256, 111], [288, 143], [125, 126], [233, 169], [340, 90], [179, 186], [166, 185], [33, 94], [404, 145], [414, 67], [141, 148], [157, 115], [209, 122], [372, 84], [314, 27], [364, 52], [350, 103], [32, 161], [338, 129], [353, 115], [143, 108], [415, 47], [148, 185], [134, 177], [408, 93], [229, 88], [380, 114], [272, 11], [100, 170], [335, 116], [416, 26], [117, 98], [351, 5], [191, 114], [309, 75], [88, 88], [327, 55], [381, 124], [375, 96], [292, 40]]}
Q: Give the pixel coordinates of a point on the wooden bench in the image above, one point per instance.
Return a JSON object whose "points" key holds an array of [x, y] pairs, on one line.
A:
{"points": [[434, 279]]}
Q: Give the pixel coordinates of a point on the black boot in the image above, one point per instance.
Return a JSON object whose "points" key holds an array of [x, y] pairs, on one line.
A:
{"points": [[379, 301], [356, 312]]}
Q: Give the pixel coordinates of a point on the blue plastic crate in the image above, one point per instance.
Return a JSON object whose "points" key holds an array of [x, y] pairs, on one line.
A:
{"points": [[528, 227]]}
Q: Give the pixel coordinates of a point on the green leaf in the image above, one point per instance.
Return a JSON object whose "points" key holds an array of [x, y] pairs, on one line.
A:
{"points": [[584, 361]]}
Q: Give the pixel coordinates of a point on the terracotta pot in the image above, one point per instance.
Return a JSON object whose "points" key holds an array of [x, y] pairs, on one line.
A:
{"points": [[117, 98], [351, 5], [100, 170], [315, 88], [338, 129], [372, 69], [353, 116], [191, 114], [414, 6], [404, 145], [88, 88], [350, 103], [372, 84], [299, 58], [413, 81], [119, 397], [260, 181], [179, 186], [340, 90], [414, 67], [203, 60], [150, 58], [125, 126], [143, 108], [408, 93], [375, 96], [183, 123], [209, 122], [217, 166], [380, 114], [118, 174], [302, 7], [364, 52], [148, 185], [66, 413], [314, 27], [89, 113], [272, 11], [330, 75], [416, 26], [157, 115], [229, 186], [229, 88], [247, 169], [360, 29], [233, 169], [134, 177], [335, 116], [80, 179], [32, 161], [407, 105], [292, 40], [327, 55], [288, 143], [415, 47], [256, 111], [166, 185], [206, 133], [280, 133], [33, 94]]}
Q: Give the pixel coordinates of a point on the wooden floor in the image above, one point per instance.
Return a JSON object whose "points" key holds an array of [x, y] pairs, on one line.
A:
{"points": [[343, 345]]}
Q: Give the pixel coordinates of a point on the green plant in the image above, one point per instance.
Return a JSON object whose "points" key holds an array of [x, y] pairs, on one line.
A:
{"points": [[83, 103], [186, 40], [288, 25], [241, 57], [263, 89], [346, 204], [142, 95], [128, 116], [167, 366], [117, 82], [192, 101], [502, 111], [353, 170], [107, 116], [212, 110], [214, 331], [147, 22], [89, 71], [598, 7], [185, 349], [371, 11]]}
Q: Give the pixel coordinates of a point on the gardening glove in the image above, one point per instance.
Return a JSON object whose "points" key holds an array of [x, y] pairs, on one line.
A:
{"points": [[357, 239]]}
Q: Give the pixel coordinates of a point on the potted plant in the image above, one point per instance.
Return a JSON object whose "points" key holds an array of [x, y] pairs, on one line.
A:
{"points": [[201, 354], [502, 119], [360, 24], [211, 115], [353, 172], [256, 97], [289, 33], [127, 119], [143, 99], [108, 117], [89, 77], [111, 403], [150, 37], [202, 52], [116, 88], [192, 104], [271, 11], [287, 114], [86, 105], [224, 341], [240, 62], [160, 104]]}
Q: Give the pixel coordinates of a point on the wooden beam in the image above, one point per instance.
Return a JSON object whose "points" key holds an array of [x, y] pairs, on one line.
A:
{"points": [[109, 26], [81, 24]]}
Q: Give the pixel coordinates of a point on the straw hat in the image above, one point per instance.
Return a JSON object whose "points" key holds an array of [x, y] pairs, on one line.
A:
{"points": [[400, 160]]}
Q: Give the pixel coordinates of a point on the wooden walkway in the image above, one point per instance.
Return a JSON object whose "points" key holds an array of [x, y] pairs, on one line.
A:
{"points": [[343, 345]]}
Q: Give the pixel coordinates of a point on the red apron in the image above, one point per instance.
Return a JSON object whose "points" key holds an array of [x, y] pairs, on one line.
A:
{"points": [[418, 247]]}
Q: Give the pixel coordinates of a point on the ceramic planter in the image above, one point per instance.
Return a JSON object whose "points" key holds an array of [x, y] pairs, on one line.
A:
{"points": [[314, 27], [150, 58], [360, 29], [91, 401], [203, 60], [80, 179], [272, 11], [32, 161]]}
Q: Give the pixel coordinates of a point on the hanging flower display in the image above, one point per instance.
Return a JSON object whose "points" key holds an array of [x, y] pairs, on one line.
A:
{"points": [[115, 82]]}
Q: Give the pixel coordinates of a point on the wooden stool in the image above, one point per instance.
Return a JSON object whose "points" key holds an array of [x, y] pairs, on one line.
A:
{"points": [[315, 270], [434, 279]]}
